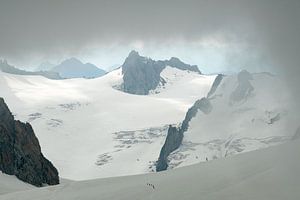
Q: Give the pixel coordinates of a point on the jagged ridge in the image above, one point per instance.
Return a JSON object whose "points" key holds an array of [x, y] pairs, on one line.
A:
{"points": [[141, 74], [5, 67], [175, 135]]}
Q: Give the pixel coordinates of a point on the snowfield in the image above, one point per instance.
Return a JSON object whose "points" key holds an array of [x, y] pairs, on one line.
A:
{"points": [[9, 184], [90, 130], [271, 173]]}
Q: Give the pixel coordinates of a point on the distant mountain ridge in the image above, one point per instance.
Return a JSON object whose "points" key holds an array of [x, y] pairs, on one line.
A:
{"points": [[142, 74], [74, 68], [45, 66], [70, 68], [7, 68]]}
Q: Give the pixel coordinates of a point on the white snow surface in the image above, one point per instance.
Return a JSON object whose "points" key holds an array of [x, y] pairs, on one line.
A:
{"points": [[90, 130], [9, 184], [262, 119], [271, 173]]}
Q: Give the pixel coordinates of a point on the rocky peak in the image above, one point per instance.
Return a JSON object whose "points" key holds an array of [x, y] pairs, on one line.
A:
{"points": [[133, 53], [244, 88], [175, 60], [72, 61], [177, 63], [6, 118], [135, 60], [142, 74], [244, 76], [20, 152]]}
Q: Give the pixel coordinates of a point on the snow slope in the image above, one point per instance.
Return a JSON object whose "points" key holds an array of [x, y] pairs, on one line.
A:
{"points": [[239, 122], [88, 129], [9, 184], [271, 173]]}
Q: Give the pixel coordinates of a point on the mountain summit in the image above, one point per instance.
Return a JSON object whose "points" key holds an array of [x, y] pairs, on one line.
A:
{"points": [[74, 68], [142, 74]]}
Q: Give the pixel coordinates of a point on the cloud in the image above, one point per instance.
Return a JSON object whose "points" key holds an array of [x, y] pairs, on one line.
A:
{"points": [[69, 25], [261, 29]]}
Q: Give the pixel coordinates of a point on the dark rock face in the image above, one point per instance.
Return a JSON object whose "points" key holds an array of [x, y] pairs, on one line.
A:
{"points": [[203, 104], [173, 141], [141, 74], [215, 85], [244, 88], [296, 136], [175, 135], [20, 152], [175, 62]]}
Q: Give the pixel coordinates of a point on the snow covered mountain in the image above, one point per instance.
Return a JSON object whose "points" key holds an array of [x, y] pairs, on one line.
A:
{"points": [[45, 66], [74, 68], [241, 113], [89, 129]]}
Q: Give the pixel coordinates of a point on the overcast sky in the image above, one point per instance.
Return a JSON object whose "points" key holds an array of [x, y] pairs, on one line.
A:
{"points": [[216, 35]]}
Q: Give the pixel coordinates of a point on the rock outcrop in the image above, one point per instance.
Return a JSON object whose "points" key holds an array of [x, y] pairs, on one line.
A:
{"points": [[141, 74], [175, 62], [215, 85], [296, 136], [172, 142], [244, 88], [20, 152], [175, 135]]}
